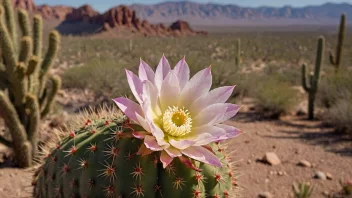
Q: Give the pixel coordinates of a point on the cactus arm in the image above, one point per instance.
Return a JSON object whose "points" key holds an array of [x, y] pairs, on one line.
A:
{"points": [[341, 39], [6, 45], [332, 58], [54, 40], [18, 133], [56, 84], [21, 87], [34, 119], [10, 19], [319, 60], [32, 73], [37, 35], [304, 78], [5, 142], [26, 49], [24, 23]]}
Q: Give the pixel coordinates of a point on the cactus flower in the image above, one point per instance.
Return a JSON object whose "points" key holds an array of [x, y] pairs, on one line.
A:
{"points": [[180, 115]]}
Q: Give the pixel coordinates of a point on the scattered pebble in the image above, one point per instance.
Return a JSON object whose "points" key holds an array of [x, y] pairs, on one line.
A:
{"points": [[249, 161], [265, 195], [280, 173], [304, 163], [271, 158], [328, 176], [320, 175]]}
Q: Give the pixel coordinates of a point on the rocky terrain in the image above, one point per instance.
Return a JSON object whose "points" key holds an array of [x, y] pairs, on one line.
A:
{"points": [[118, 20], [220, 14]]}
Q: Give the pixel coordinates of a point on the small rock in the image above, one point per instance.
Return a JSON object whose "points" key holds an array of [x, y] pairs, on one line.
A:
{"points": [[320, 175], [280, 173], [328, 176], [249, 161], [271, 158], [326, 193], [304, 163], [265, 195]]}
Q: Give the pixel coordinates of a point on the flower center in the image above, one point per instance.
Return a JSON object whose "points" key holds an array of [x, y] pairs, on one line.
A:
{"points": [[177, 121]]}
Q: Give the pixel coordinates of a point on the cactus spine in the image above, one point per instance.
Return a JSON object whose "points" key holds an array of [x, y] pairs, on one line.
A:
{"points": [[335, 60], [238, 59], [101, 158], [311, 86], [23, 79]]}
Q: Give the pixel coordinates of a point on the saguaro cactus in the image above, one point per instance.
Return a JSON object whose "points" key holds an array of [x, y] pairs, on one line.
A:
{"points": [[25, 97], [238, 59], [311, 86], [335, 60]]}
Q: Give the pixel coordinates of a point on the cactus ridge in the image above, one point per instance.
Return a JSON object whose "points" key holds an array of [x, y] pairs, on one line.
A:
{"points": [[101, 159], [335, 60]]}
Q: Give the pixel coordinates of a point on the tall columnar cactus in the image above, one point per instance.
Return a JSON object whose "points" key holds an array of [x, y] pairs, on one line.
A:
{"points": [[311, 86], [238, 59], [335, 60], [25, 97], [102, 158]]}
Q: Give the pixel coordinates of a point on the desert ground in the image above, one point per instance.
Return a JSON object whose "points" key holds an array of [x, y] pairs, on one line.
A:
{"points": [[274, 113]]}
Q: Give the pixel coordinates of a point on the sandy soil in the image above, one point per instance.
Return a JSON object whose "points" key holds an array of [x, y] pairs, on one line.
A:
{"points": [[292, 139]]}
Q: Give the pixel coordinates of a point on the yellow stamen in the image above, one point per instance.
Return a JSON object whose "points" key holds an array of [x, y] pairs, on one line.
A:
{"points": [[177, 121]]}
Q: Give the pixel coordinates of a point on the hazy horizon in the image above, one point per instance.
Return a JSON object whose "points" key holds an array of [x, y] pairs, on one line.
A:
{"points": [[104, 5]]}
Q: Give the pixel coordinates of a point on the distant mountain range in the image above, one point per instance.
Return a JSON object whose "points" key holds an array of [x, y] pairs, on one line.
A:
{"points": [[219, 14], [212, 13]]}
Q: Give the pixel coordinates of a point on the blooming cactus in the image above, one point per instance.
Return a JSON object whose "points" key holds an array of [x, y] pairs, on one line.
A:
{"points": [[180, 115]]}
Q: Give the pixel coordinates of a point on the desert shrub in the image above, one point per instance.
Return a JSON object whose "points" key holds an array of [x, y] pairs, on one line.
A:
{"points": [[105, 78], [334, 87], [274, 96], [340, 114]]}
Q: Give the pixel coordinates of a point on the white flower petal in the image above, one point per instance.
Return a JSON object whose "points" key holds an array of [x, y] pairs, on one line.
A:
{"points": [[135, 84], [218, 95], [202, 154], [181, 144], [231, 131], [151, 143], [210, 115], [129, 108], [161, 71], [150, 93], [169, 92], [145, 72], [196, 87], [182, 72], [231, 111]]}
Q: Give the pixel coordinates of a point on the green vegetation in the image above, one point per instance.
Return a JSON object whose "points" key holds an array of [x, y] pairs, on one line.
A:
{"points": [[25, 98], [302, 190], [335, 60]]}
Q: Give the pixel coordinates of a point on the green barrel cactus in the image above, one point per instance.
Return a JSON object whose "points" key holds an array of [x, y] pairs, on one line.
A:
{"points": [[25, 95], [101, 158]]}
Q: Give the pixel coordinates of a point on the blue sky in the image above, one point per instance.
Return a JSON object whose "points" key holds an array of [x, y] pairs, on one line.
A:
{"points": [[103, 5]]}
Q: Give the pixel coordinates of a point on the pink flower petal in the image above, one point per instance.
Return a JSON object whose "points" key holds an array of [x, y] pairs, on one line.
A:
{"points": [[143, 150], [182, 72], [231, 131], [129, 108], [181, 144], [151, 143], [169, 92], [165, 159], [173, 152], [161, 71], [135, 84], [206, 134], [202, 154], [197, 86], [140, 134], [218, 95], [231, 111], [210, 115], [145, 72]]}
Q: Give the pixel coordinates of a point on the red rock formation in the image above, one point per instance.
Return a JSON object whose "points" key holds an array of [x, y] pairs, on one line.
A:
{"points": [[84, 13], [24, 4], [54, 12]]}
